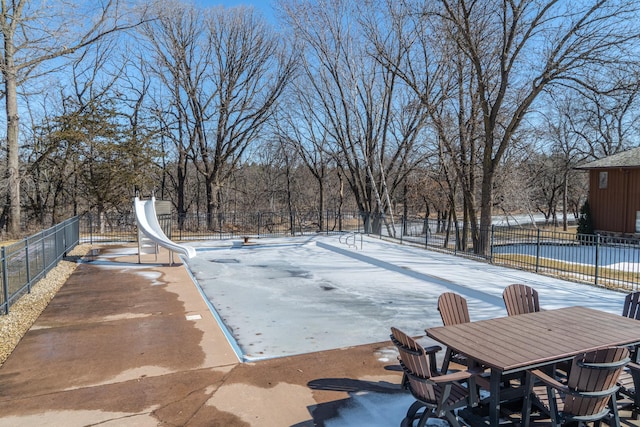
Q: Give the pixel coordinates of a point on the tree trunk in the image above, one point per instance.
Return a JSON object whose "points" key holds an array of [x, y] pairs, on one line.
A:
{"points": [[565, 190], [340, 202], [321, 203], [211, 204], [486, 211], [13, 165], [181, 173]]}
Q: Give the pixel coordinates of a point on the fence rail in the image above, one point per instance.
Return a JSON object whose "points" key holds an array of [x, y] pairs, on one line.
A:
{"points": [[27, 261], [600, 260], [612, 262], [121, 228]]}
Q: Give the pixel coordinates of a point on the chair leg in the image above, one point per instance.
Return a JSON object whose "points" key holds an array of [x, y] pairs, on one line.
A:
{"points": [[526, 402], [553, 407], [453, 420], [425, 417], [412, 413], [615, 421]]}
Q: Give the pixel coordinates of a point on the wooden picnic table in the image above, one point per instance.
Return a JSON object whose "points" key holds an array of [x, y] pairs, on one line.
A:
{"points": [[514, 344]]}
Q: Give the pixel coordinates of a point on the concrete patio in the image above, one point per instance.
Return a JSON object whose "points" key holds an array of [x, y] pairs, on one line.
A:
{"points": [[116, 348], [128, 344]]}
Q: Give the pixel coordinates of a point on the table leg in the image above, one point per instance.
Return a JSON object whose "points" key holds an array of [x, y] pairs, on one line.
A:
{"points": [[494, 397]]}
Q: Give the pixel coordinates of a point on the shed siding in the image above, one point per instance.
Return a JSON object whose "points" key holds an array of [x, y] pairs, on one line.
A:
{"points": [[633, 199], [614, 208]]}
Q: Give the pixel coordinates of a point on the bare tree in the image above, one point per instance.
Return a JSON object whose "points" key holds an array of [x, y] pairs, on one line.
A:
{"points": [[299, 128], [225, 69], [413, 48], [54, 149], [607, 122], [518, 49], [179, 62], [36, 33], [372, 121], [566, 148], [107, 149], [249, 71]]}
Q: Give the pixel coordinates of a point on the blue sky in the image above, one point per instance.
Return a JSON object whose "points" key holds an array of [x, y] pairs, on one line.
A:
{"points": [[262, 6]]}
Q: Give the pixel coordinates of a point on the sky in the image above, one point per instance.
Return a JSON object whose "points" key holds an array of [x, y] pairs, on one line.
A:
{"points": [[263, 7]]}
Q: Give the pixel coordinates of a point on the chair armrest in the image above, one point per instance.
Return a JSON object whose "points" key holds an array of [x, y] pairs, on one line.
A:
{"points": [[549, 381], [432, 349], [453, 377], [553, 383], [634, 370], [633, 366]]}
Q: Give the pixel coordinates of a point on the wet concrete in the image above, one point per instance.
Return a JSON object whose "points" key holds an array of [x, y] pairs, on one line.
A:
{"points": [[128, 344]]}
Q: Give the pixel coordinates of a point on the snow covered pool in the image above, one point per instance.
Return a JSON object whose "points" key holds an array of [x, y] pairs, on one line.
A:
{"points": [[286, 296]]}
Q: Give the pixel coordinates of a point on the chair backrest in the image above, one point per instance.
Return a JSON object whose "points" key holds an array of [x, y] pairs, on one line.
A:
{"points": [[520, 299], [415, 364], [453, 309], [631, 307], [595, 371]]}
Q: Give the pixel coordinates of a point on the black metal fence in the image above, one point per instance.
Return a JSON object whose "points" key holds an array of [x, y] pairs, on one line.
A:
{"points": [[122, 228], [612, 262], [25, 262], [600, 260]]}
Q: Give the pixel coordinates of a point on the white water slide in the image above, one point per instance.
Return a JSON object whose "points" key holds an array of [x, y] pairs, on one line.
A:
{"points": [[149, 226]]}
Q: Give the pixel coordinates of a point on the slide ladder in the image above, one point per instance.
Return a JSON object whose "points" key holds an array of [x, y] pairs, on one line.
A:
{"points": [[146, 245]]}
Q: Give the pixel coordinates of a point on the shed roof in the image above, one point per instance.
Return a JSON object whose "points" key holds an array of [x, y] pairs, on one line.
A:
{"points": [[625, 159]]}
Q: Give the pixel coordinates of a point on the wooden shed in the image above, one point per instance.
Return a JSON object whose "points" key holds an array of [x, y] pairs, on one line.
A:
{"points": [[614, 193]]}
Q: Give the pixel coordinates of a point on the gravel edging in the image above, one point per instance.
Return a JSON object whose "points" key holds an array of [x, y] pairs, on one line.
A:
{"points": [[26, 310]]}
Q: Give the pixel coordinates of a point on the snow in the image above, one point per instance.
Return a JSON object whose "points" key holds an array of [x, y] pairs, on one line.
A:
{"points": [[290, 296]]}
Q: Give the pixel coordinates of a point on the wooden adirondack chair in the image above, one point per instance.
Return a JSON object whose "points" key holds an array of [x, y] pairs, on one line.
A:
{"points": [[629, 380], [437, 395], [520, 299], [453, 311], [588, 395], [629, 383], [631, 307]]}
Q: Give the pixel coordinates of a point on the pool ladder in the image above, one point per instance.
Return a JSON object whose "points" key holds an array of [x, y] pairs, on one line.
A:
{"points": [[350, 239]]}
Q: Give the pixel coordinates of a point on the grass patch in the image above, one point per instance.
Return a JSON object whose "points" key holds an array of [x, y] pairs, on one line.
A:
{"points": [[607, 277]]}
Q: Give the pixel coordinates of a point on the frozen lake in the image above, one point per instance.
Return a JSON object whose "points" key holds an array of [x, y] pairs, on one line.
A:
{"points": [[285, 296]]}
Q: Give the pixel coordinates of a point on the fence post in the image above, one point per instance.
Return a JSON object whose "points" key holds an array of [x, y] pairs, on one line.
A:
{"points": [[90, 228], [259, 222], [44, 252], [492, 242], [426, 232], [326, 222], [56, 233], [538, 251], [293, 224], [595, 280], [5, 280], [26, 258]]}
